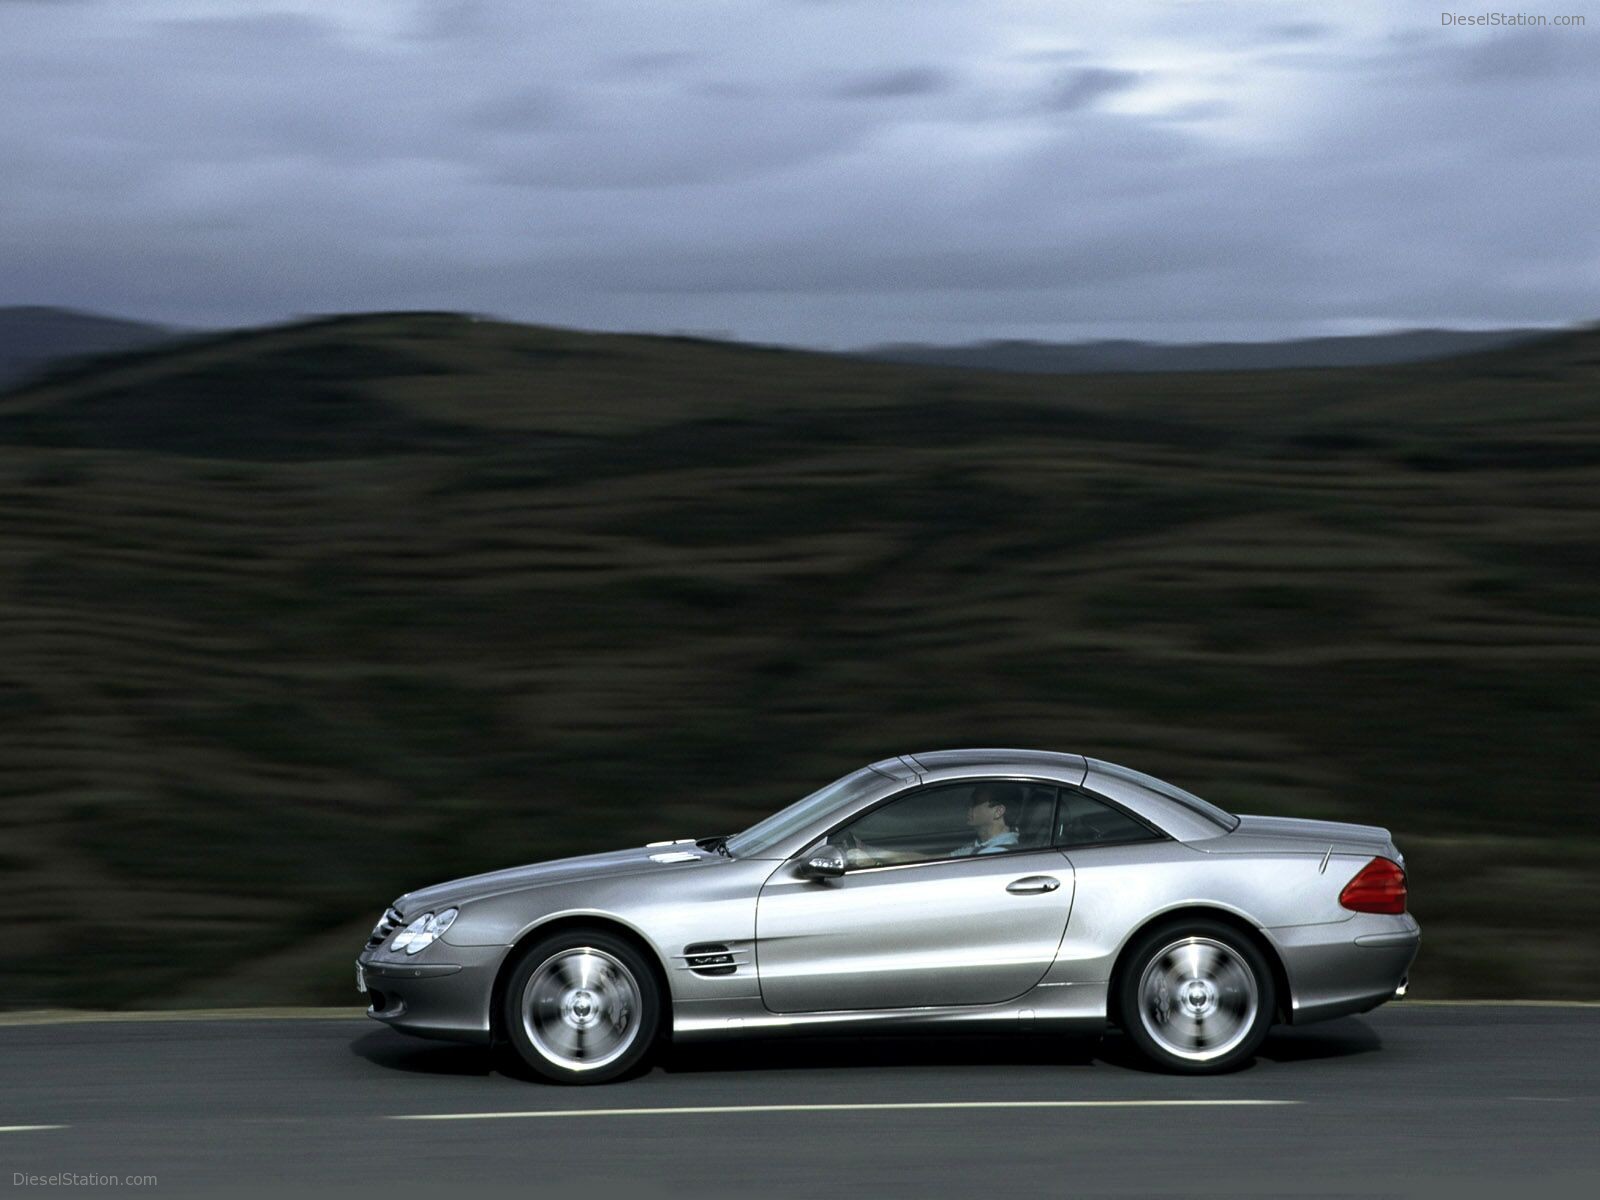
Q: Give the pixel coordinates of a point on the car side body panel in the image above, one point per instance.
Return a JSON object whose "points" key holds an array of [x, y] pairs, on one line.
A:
{"points": [[940, 933]]}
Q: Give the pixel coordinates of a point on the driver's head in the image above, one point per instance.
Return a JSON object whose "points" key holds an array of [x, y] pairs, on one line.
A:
{"points": [[993, 804]]}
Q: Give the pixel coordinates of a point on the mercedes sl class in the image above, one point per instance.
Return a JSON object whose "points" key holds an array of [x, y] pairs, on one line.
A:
{"points": [[956, 890]]}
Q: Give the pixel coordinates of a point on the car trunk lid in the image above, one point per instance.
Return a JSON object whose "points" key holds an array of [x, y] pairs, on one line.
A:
{"points": [[1256, 834]]}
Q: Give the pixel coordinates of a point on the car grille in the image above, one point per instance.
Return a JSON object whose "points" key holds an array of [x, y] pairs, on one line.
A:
{"points": [[387, 924]]}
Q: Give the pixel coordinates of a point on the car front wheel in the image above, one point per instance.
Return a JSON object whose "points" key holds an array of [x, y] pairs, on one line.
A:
{"points": [[1197, 997], [582, 1007]]}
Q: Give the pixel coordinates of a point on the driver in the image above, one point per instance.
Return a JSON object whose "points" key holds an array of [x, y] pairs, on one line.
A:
{"points": [[989, 816]]}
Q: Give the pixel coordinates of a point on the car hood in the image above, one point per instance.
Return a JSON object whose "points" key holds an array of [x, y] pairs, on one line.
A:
{"points": [[655, 857]]}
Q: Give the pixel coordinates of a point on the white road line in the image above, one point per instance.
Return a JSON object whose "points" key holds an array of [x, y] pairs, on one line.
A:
{"points": [[800, 1108], [27, 1128]]}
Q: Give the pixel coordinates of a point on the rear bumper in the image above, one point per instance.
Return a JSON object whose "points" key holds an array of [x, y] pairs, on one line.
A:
{"points": [[448, 1000], [1348, 966]]}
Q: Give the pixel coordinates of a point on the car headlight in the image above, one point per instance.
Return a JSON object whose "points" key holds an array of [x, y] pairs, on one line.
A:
{"points": [[420, 934]]}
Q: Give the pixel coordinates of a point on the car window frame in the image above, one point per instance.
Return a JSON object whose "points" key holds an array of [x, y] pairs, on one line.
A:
{"points": [[971, 781], [1060, 843]]}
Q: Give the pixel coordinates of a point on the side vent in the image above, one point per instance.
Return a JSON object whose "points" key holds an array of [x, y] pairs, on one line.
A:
{"points": [[710, 958]]}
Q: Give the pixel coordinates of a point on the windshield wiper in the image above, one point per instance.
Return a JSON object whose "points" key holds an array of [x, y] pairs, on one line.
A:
{"points": [[719, 844]]}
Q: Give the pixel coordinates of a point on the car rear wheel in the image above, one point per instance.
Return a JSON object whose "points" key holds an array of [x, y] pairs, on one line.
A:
{"points": [[582, 1007], [1196, 997]]}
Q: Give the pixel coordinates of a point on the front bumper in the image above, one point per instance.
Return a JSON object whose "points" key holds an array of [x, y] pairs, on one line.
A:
{"points": [[1347, 966], [444, 992]]}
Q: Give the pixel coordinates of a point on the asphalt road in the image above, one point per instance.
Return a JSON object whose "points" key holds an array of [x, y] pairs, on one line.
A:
{"points": [[1413, 1099]]}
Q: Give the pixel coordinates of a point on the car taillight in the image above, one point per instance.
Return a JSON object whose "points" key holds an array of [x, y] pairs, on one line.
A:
{"points": [[1379, 887]]}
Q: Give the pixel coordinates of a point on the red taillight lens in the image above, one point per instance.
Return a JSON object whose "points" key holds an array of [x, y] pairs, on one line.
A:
{"points": [[1379, 887]]}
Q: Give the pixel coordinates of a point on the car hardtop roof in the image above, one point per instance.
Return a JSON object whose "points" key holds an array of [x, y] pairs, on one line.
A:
{"points": [[927, 761]]}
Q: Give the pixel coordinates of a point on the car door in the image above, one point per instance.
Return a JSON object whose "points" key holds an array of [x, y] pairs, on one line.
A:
{"points": [[920, 919]]}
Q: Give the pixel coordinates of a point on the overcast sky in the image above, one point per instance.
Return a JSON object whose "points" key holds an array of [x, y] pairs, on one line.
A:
{"points": [[829, 172]]}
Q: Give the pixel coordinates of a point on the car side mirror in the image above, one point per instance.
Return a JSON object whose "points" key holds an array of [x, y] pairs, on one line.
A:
{"points": [[825, 862]]}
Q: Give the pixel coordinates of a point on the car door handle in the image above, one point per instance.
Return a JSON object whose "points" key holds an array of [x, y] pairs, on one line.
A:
{"points": [[1032, 885]]}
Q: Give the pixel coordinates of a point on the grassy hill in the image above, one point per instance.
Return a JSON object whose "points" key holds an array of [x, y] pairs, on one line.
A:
{"points": [[33, 337], [292, 620]]}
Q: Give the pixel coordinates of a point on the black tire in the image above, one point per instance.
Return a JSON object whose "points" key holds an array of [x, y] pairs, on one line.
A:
{"points": [[1190, 1028], [582, 994]]}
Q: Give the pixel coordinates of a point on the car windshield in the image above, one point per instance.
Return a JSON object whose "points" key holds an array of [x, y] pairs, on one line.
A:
{"points": [[761, 837]]}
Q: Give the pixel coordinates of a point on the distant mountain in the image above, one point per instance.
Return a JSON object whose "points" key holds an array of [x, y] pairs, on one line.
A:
{"points": [[34, 337], [1120, 356]]}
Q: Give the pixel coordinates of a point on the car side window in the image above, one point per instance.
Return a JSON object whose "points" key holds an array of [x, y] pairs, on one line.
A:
{"points": [[951, 821], [1085, 820]]}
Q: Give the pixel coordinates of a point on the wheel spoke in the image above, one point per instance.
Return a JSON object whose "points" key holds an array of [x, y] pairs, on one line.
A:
{"points": [[1211, 962], [565, 971], [1193, 967]]}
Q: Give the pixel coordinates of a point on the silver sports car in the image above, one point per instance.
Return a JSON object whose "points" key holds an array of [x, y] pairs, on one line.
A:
{"points": [[963, 889]]}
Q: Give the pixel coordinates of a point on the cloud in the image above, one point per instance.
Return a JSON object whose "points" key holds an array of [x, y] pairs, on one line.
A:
{"points": [[1081, 88], [650, 62], [832, 173], [536, 106], [890, 85], [1298, 31], [1520, 60]]}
